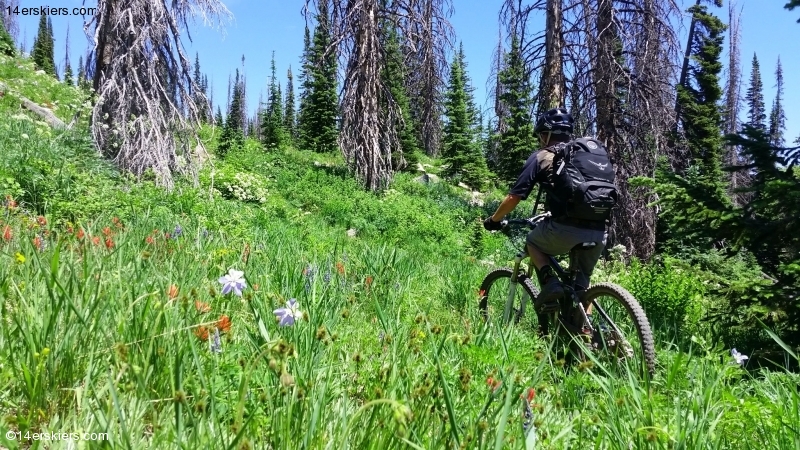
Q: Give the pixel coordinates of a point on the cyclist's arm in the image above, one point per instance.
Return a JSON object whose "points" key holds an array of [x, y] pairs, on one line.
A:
{"points": [[531, 173], [509, 203]]}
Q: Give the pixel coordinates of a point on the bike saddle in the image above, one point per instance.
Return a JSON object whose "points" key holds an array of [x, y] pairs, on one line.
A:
{"points": [[585, 246]]}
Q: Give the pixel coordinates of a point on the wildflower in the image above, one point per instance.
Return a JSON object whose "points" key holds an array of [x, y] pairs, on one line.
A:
{"points": [[201, 307], [10, 203], [149, 239], [38, 243], [246, 253], [224, 324], [368, 281], [109, 243], [177, 232], [340, 267], [288, 314], [233, 281], [172, 292], [7, 235], [96, 240], [205, 233], [20, 258], [106, 231], [327, 277], [80, 234], [202, 333], [531, 394], [738, 357], [215, 345], [41, 220]]}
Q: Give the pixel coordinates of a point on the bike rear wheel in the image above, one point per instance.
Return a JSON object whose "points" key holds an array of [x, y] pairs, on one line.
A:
{"points": [[495, 291], [622, 331]]}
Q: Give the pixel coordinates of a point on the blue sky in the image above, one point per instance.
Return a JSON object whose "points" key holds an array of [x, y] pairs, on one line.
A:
{"points": [[262, 26]]}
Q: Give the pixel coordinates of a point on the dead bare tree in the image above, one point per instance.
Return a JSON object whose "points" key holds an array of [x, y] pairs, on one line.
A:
{"points": [[740, 178], [368, 135], [10, 21], [427, 37], [618, 60], [552, 86], [145, 114]]}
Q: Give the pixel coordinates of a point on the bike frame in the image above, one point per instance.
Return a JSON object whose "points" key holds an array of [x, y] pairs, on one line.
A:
{"points": [[567, 277]]}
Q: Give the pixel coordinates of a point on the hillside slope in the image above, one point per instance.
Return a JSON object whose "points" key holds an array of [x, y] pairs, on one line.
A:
{"points": [[116, 319]]}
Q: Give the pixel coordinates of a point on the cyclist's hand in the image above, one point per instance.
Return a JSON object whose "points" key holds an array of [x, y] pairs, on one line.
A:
{"points": [[491, 225]]}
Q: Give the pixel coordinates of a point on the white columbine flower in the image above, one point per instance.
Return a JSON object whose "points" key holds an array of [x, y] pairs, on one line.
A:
{"points": [[740, 358], [233, 281]]}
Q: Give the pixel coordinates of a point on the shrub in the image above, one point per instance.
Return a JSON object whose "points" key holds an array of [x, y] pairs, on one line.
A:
{"points": [[672, 294]]}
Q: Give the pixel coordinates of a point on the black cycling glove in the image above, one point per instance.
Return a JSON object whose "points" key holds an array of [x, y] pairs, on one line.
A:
{"points": [[491, 225]]}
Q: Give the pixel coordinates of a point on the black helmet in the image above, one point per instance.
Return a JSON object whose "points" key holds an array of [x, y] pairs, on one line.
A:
{"points": [[556, 121]]}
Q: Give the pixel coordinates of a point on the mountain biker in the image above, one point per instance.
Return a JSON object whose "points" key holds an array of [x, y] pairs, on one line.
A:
{"points": [[558, 234]]}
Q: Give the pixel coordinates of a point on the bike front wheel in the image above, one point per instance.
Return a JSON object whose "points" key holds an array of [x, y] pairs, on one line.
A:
{"points": [[622, 332], [505, 301]]}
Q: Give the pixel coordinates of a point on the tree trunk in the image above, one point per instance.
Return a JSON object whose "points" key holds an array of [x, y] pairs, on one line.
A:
{"points": [[552, 91], [366, 139]]}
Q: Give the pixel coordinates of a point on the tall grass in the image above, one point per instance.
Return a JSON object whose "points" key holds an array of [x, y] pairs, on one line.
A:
{"points": [[109, 319]]}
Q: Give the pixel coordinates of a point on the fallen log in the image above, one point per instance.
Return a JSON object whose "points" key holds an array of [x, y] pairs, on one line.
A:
{"points": [[41, 111]]}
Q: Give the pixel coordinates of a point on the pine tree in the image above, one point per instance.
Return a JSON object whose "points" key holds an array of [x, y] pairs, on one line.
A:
{"points": [[200, 98], [273, 132], [696, 199], [42, 52], [218, 117], [756, 112], [394, 77], [83, 81], [317, 128], [68, 79], [289, 119], [700, 100], [6, 42], [792, 5], [777, 117], [232, 135], [305, 77], [461, 151], [515, 144]]}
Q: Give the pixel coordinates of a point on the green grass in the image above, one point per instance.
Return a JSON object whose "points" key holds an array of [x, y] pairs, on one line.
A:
{"points": [[104, 303]]}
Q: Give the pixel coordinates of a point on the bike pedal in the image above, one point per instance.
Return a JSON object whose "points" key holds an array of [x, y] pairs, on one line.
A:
{"points": [[548, 308]]}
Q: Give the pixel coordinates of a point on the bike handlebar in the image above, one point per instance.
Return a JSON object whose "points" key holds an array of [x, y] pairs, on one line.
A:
{"points": [[531, 221]]}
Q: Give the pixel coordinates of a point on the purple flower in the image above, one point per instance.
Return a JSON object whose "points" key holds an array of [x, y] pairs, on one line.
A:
{"points": [[177, 231], [215, 344], [289, 314], [233, 281], [205, 233]]}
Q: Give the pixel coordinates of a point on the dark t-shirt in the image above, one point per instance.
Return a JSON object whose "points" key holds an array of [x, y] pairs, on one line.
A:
{"points": [[538, 169]]}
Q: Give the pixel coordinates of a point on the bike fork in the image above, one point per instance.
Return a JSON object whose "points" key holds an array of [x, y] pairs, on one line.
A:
{"points": [[512, 291]]}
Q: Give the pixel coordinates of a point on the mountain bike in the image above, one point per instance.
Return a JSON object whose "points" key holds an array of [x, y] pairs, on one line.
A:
{"points": [[606, 318]]}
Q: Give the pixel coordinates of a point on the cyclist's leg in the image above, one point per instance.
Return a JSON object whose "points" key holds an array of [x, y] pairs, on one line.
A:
{"points": [[548, 239]]}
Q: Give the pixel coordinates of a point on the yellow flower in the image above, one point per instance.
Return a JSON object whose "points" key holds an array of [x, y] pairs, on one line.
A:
{"points": [[20, 258]]}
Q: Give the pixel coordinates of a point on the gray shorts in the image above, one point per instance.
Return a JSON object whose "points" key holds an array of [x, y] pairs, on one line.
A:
{"points": [[558, 239]]}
